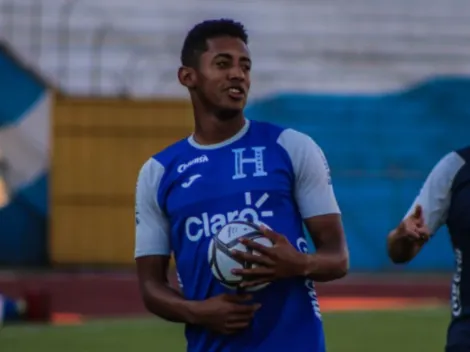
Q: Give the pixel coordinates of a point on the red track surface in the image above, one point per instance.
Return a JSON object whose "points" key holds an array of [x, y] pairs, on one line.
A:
{"points": [[116, 294]]}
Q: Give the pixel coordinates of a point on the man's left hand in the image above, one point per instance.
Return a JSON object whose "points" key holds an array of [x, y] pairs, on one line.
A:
{"points": [[280, 261]]}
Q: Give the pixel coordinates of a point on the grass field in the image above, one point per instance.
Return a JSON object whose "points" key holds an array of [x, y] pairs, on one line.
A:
{"points": [[408, 330]]}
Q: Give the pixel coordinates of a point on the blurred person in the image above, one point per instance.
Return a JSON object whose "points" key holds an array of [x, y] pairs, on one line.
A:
{"points": [[231, 165], [444, 199], [12, 309], [32, 306]]}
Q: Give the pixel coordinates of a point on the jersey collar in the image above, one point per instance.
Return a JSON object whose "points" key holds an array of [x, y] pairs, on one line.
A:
{"points": [[231, 140]]}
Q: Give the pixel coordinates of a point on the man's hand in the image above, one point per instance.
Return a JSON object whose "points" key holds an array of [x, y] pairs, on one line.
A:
{"points": [[225, 314], [407, 239], [413, 227], [278, 262]]}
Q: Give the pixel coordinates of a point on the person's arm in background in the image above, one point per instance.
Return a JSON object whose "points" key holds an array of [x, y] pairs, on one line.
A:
{"points": [[427, 213]]}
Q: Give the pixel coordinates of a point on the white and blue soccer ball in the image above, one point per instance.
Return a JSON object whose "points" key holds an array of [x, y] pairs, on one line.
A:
{"points": [[219, 253]]}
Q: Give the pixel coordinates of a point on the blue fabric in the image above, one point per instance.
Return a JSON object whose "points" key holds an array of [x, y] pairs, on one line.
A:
{"points": [[19, 90], [23, 222], [23, 238], [10, 310]]}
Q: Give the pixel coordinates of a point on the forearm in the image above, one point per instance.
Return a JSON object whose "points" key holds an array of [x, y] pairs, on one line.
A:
{"points": [[325, 266], [401, 250], [167, 303]]}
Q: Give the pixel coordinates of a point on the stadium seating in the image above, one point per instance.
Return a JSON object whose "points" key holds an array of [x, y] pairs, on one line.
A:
{"points": [[114, 47]]}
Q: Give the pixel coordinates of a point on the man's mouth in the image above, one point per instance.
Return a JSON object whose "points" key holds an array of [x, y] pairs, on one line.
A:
{"points": [[236, 93]]}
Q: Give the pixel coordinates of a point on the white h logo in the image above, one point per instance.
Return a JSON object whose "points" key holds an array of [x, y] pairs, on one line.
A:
{"points": [[257, 160]]}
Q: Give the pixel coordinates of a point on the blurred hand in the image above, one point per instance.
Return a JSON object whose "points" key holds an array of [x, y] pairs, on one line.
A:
{"points": [[226, 313], [272, 263], [413, 227]]}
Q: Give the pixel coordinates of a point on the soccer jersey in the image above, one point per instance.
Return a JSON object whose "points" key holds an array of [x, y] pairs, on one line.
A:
{"points": [[265, 173]]}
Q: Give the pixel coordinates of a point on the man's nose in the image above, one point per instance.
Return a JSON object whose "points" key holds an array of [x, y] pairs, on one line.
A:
{"points": [[237, 73]]}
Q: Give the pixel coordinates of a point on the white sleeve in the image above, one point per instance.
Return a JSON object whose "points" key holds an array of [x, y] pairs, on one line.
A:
{"points": [[435, 194], [313, 189], [152, 235]]}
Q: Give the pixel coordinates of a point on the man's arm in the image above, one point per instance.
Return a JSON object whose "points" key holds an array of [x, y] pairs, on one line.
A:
{"points": [[427, 213], [331, 258], [406, 240], [152, 250], [318, 206]]}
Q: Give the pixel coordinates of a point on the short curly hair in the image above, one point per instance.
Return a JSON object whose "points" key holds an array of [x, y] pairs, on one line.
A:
{"points": [[196, 39]]}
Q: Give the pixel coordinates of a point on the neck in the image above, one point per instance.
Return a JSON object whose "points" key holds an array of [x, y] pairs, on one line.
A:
{"points": [[209, 129]]}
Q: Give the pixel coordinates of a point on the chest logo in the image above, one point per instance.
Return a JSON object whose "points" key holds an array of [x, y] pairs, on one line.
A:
{"points": [[205, 224], [242, 159], [190, 181]]}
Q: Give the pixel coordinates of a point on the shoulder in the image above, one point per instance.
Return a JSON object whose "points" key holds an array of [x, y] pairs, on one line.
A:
{"points": [[172, 152], [293, 139], [159, 163], [150, 174], [300, 147], [442, 177], [457, 165], [448, 166], [154, 168], [266, 130], [464, 153], [288, 138]]}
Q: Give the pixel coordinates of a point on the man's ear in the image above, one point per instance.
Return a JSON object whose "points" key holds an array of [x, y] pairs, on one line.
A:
{"points": [[187, 77]]}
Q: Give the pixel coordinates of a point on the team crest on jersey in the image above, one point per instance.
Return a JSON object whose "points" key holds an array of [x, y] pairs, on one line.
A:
{"points": [[253, 157]]}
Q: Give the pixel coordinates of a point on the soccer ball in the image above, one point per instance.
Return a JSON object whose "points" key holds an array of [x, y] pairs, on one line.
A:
{"points": [[227, 239]]}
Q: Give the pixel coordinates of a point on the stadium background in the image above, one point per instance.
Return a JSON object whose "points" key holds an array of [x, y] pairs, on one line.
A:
{"points": [[88, 92]]}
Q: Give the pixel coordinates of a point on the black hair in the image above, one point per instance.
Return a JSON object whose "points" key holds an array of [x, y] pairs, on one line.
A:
{"points": [[196, 39]]}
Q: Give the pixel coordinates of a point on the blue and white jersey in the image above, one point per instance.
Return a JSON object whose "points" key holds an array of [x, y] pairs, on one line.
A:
{"points": [[187, 192]]}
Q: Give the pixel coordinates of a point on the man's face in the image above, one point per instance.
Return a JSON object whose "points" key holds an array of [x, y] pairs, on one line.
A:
{"points": [[223, 75]]}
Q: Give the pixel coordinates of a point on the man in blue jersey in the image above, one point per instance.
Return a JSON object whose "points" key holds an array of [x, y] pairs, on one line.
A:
{"points": [[233, 168], [443, 199]]}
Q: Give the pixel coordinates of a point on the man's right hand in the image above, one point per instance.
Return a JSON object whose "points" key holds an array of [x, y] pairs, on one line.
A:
{"points": [[226, 313], [413, 227]]}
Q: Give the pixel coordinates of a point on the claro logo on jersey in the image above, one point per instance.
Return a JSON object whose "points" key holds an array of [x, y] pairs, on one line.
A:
{"points": [[199, 160], [209, 224], [302, 246]]}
